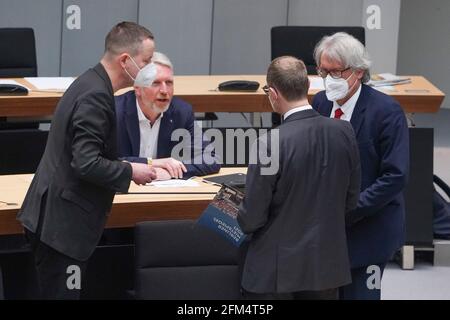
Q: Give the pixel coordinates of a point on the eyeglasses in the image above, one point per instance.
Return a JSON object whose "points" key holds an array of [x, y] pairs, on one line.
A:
{"points": [[335, 74]]}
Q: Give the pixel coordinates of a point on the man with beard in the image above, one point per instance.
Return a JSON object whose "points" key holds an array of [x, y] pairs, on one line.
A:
{"points": [[146, 119]]}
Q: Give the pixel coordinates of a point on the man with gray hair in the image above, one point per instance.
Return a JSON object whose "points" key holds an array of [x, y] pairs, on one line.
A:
{"points": [[146, 118], [297, 215], [376, 228]]}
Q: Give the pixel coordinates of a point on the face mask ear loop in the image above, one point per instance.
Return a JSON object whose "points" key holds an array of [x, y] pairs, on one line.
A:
{"points": [[125, 68], [135, 63], [351, 88]]}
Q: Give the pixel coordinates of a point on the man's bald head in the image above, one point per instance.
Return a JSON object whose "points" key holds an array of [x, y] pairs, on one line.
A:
{"points": [[288, 75]]}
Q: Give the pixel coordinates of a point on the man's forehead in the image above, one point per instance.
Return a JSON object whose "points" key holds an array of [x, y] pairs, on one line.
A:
{"points": [[325, 59]]}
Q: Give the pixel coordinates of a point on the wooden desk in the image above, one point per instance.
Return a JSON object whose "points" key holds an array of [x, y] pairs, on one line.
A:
{"points": [[127, 208], [418, 96]]}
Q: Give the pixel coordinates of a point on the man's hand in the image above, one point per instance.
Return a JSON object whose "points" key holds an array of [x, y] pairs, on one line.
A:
{"points": [[162, 174], [142, 173], [174, 167]]}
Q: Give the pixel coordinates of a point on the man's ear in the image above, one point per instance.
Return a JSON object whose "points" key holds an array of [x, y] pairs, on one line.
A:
{"points": [[122, 59], [359, 74], [137, 92], [274, 93]]}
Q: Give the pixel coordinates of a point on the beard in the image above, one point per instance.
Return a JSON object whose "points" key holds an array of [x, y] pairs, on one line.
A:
{"points": [[158, 109]]}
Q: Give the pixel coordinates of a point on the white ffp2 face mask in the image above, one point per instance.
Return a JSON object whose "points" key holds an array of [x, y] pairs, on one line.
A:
{"points": [[145, 76], [336, 89]]}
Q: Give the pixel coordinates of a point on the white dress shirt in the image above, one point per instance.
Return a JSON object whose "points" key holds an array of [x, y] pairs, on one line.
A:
{"points": [[348, 107], [298, 109], [149, 134]]}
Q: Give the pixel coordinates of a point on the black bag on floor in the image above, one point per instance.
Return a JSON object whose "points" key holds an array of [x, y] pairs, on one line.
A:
{"points": [[441, 210]]}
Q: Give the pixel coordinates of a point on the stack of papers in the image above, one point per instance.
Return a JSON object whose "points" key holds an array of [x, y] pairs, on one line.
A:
{"points": [[174, 183], [50, 84], [387, 79]]}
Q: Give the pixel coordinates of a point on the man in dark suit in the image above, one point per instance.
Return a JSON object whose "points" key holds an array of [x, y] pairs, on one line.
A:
{"points": [[67, 204], [382, 134], [297, 216], [146, 119]]}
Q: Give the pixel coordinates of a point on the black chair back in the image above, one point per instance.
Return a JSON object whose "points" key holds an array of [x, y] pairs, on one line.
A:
{"points": [[179, 260], [300, 41], [22, 150], [18, 53]]}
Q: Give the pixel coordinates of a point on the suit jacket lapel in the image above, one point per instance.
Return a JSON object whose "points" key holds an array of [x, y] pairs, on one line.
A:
{"points": [[358, 113], [132, 124], [326, 108], [165, 131]]}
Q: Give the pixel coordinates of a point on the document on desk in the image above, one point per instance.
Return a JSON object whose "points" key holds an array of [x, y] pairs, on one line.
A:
{"points": [[50, 84], [316, 83], [174, 183]]}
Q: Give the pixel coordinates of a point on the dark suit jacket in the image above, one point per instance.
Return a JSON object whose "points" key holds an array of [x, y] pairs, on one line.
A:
{"points": [[178, 115], [383, 140], [297, 216], [78, 172]]}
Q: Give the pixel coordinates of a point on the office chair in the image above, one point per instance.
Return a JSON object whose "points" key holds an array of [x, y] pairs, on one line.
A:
{"points": [[18, 53], [17, 60], [22, 150], [300, 41], [179, 260]]}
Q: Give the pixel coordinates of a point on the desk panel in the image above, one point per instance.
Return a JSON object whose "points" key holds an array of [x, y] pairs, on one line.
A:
{"points": [[418, 96], [127, 208]]}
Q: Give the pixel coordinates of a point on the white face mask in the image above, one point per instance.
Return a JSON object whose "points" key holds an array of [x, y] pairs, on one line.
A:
{"points": [[336, 89], [145, 76]]}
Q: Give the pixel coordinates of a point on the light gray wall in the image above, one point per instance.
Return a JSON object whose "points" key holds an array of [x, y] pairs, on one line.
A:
{"points": [[182, 30], [241, 34], [44, 16], [200, 36], [424, 42], [83, 48], [382, 43], [325, 12]]}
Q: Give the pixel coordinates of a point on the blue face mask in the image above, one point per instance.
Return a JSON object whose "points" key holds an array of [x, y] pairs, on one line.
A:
{"points": [[145, 76]]}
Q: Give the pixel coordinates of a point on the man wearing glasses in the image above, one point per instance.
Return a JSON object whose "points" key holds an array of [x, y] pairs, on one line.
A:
{"points": [[297, 215], [382, 134]]}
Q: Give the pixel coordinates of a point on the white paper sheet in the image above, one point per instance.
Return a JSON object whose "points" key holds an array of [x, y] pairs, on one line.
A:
{"points": [[55, 84], [316, 83], [174, 183], [385, 88]]}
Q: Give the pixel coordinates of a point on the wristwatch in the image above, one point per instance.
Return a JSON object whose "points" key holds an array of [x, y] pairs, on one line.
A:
{"points": [[149, 162]]}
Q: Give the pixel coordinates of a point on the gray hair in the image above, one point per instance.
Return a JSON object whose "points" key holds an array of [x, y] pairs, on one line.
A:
{"points": [[345, 49], [162, 59]]}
